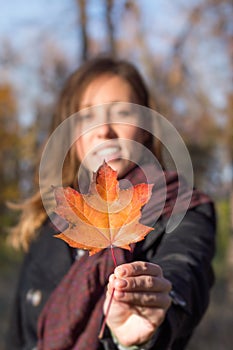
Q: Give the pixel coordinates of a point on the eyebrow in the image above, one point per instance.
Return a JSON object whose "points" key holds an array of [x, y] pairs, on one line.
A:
{"points": [[88, 105]]}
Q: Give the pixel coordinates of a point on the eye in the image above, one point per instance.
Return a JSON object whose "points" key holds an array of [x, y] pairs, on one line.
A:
{"points": [[121, 111], [83, 116], [124, 112]]}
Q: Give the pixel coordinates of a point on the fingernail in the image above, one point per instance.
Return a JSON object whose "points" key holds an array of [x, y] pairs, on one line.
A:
{"points": [[121, 272], [122, 283], [119, 295], [112, 278]]}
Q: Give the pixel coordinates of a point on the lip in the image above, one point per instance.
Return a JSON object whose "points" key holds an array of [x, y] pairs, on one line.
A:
{"points": [[107, 153]]}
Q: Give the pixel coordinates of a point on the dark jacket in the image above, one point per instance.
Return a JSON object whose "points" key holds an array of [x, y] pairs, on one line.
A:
{"points": [[185, 256]]}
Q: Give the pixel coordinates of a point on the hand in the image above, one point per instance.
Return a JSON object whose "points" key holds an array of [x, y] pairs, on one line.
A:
{"points": [[140, 301]]}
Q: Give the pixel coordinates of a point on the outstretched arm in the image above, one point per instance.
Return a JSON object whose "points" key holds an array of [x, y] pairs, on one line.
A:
{"points": [[182, 259]]}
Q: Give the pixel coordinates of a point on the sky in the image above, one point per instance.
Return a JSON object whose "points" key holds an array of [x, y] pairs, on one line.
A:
{"points": [[34, 18], [29, 23]]}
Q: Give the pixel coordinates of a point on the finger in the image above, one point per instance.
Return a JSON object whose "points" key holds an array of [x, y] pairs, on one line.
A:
{"points": [[111, 283], [158, 300], [138, 268], [142, 284]]}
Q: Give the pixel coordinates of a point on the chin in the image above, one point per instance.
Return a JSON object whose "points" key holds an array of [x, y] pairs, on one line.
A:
{"points": [[122, 167]]}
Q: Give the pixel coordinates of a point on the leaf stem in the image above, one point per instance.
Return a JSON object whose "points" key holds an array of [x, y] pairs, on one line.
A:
{"points": [[101, 333], [113, 255]]}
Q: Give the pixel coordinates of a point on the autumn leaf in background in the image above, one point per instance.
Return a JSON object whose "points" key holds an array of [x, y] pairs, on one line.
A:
{"points": [[106, 216]]}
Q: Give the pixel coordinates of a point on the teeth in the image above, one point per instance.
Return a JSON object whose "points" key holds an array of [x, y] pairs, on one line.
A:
{"points": [[107, 151]]}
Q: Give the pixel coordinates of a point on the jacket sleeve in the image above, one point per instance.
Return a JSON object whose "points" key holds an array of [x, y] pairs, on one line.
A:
{"points": [[44, 265], [185, 256]]}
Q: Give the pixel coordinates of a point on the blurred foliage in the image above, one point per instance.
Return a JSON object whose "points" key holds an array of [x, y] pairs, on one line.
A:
{"points": [[177, 80], [9, 149], [223, 236], [10, 262], [9, 258], [215, 329]]}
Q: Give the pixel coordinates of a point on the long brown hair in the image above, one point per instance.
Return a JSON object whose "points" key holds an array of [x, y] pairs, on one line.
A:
{"points": [[32, 210]]}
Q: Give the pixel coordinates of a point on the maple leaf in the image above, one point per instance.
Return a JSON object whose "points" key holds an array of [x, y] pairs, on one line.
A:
{"points": [[106, 216]]}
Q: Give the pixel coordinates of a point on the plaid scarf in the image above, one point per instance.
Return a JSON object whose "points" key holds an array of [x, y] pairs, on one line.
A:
{"points": [[71, 318]]}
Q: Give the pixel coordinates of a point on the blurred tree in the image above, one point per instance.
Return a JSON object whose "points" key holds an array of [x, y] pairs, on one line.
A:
{"points": [[9, 148], [88, 43], [81, 4], [178, 86], [179, 90], [182, 78], [228, 138], [8, 55], [229, 142], [52, 70], [109, 6], [20, 143]]}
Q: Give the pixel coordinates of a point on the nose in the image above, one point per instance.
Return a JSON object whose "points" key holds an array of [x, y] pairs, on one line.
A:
{"points": [[105, 131], [104, 127]]}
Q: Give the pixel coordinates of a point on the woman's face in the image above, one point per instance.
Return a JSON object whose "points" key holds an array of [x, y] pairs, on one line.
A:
{"points": [[104, 134]]}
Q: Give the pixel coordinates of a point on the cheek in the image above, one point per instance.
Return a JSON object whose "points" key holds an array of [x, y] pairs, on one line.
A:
{"points": [[136, 134], [80, 149]]}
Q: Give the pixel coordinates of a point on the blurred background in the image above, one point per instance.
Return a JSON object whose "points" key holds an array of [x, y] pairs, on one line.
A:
{"points": [[183, 48]]}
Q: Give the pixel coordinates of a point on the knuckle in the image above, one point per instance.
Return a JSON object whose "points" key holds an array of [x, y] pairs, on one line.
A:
{"points": [[150, 282], [150, 299], [133, 283], [134, 268], [142, 266], [137, 268]]}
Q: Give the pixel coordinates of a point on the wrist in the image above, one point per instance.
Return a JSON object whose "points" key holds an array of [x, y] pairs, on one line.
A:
{"points": [[145, 346]]}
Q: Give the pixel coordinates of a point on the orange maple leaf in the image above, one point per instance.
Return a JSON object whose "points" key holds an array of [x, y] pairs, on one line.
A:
{"points": [[106, 216]]}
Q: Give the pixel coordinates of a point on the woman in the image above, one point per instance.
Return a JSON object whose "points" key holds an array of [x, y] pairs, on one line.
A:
{"points": [[162, 287]]}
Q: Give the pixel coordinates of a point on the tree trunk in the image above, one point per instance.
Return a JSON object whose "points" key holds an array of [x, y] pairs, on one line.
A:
{"points": [[83, 22], [110, 27]]}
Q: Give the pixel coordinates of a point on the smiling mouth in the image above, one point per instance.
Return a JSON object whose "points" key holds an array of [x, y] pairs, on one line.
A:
{"points": [[109, 153]]}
